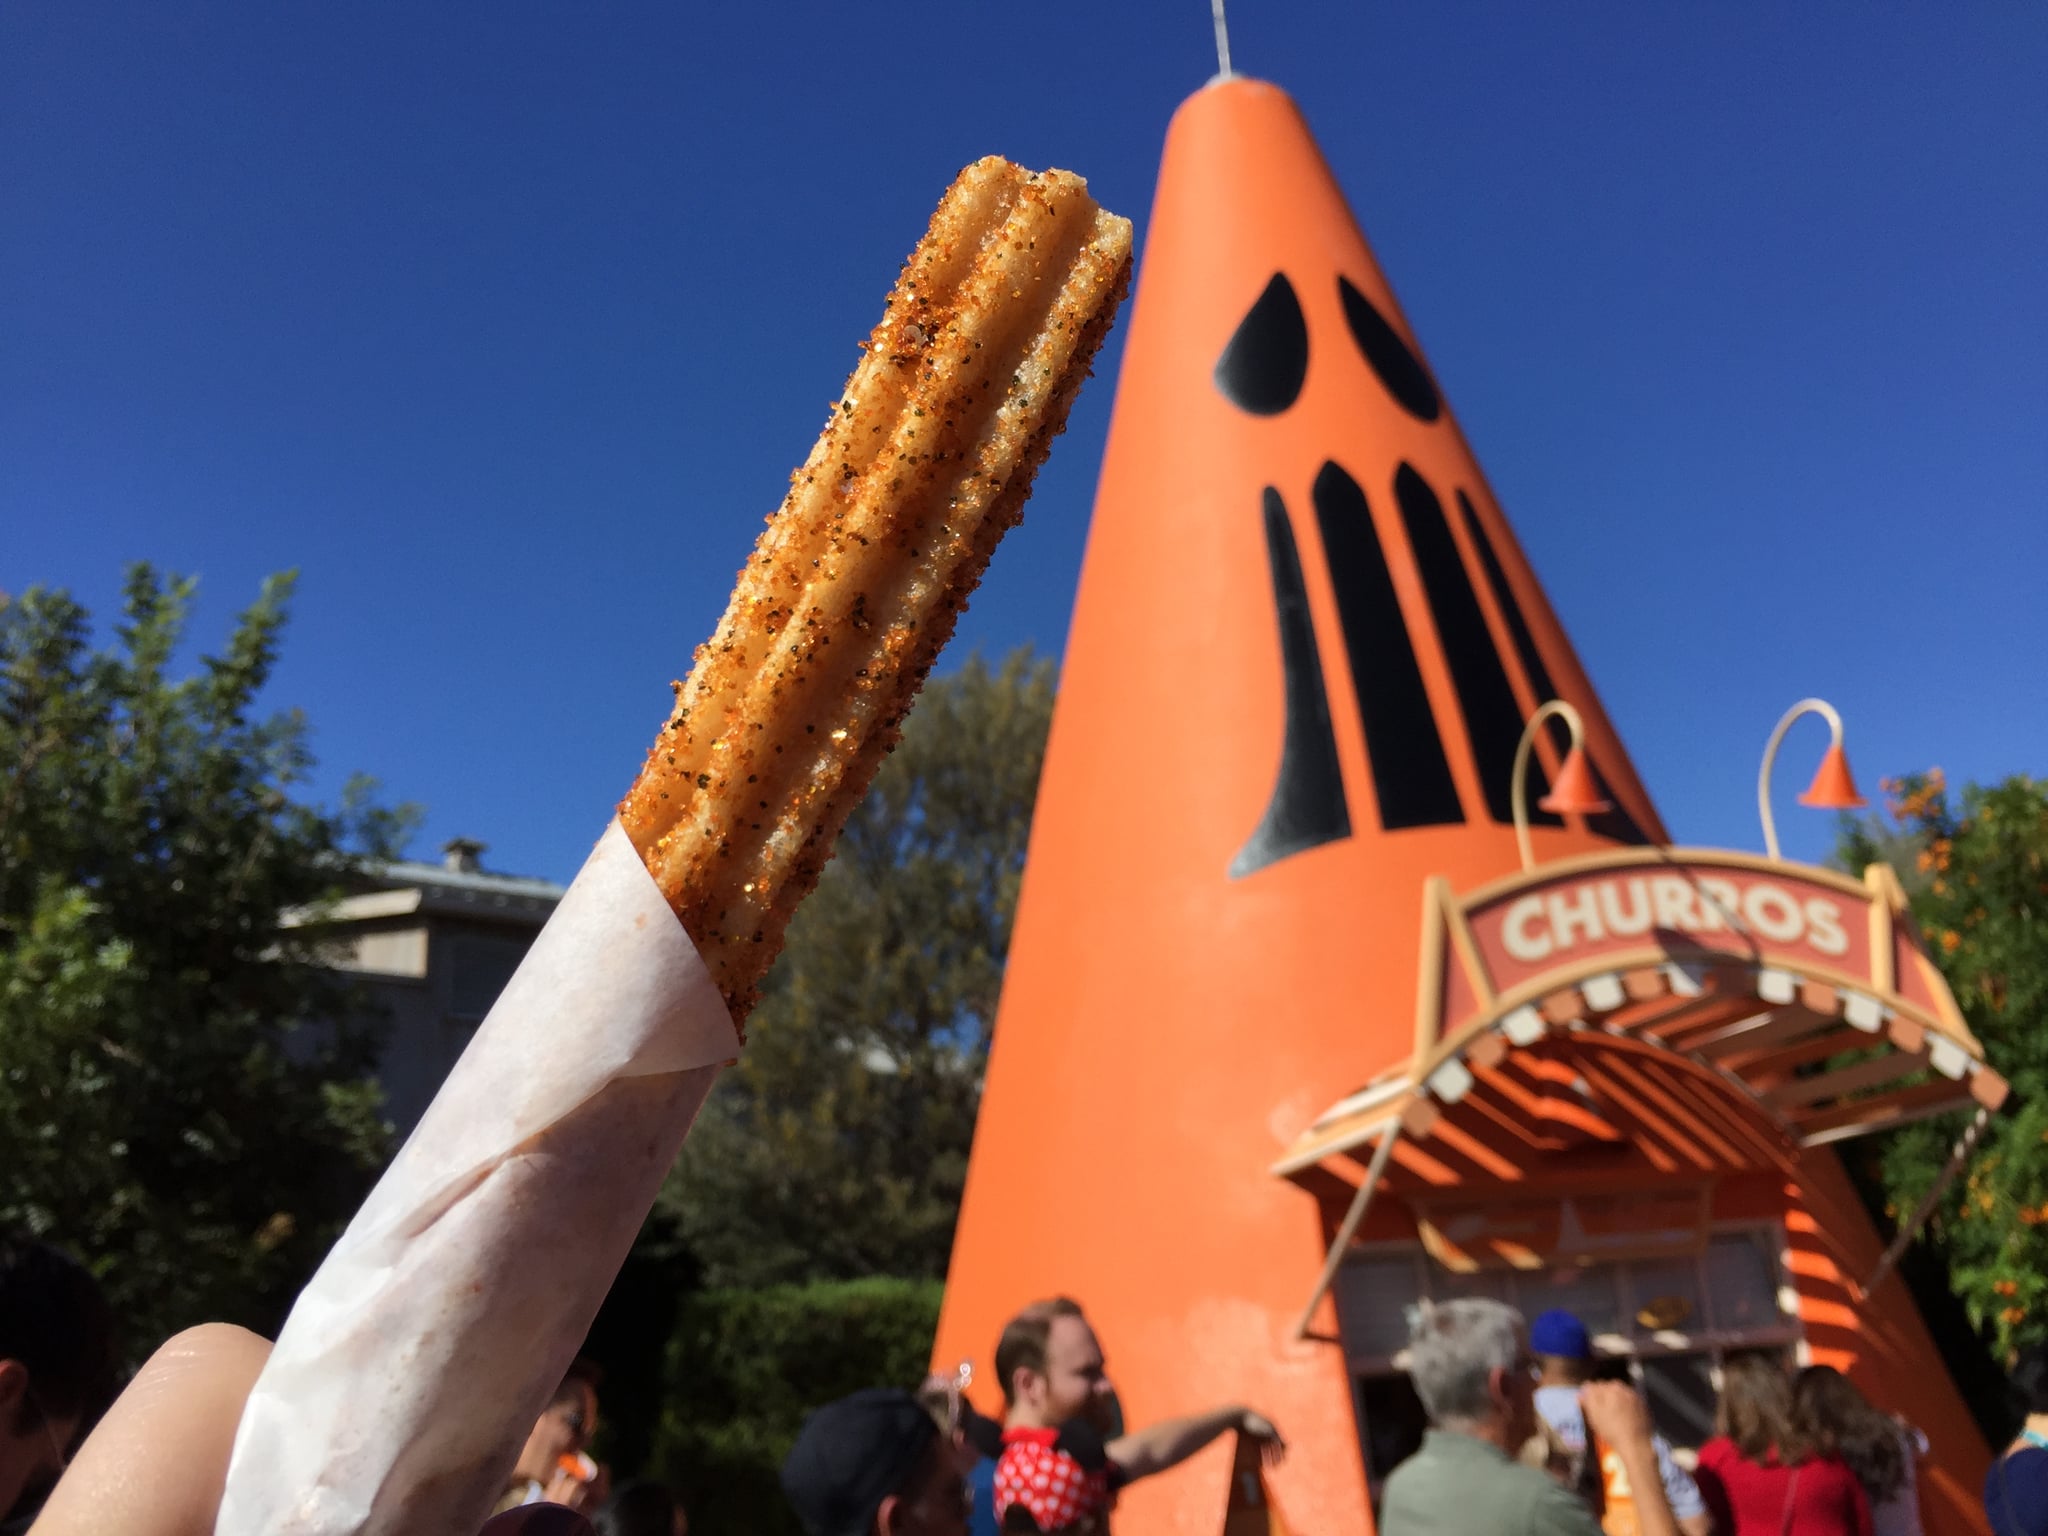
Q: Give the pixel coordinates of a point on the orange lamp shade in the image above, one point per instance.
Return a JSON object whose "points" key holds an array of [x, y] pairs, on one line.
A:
{"points": [[1576, 792], [1832, 788]]}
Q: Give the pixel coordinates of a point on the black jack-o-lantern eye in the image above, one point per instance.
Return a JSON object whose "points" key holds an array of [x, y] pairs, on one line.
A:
{"points": [[1399, 369], [1263, 370], [1265, 361], [1307, 806]]}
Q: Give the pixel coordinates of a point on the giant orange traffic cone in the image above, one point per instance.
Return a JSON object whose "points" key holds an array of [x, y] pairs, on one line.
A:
{"points": [[1303, 650]]}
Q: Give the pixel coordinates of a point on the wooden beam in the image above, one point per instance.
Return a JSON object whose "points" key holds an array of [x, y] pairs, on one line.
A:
{"points": [[1701, 1015], [1693, 1116], [1673, 1012], [1874, 1072], [1348, 1228], [1786, 1023], [1965, 1144], [1425, 1166], [1456, 1133], [1653, 1138], [1776, 1063], [1904, 1117], [1876, 1113], [1522, 1111]]}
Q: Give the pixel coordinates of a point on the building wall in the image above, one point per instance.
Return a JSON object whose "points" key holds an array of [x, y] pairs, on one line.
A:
{"points": [[1879, 1340], [435, 980], [432, 949]]}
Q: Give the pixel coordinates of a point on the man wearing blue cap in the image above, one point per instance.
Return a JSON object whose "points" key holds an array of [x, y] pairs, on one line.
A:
{"points": [[1470, 1361], [1564, 1352]]}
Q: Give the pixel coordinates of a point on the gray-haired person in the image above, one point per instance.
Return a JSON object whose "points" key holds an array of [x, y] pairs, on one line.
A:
{"points": [[1471, 1367]]}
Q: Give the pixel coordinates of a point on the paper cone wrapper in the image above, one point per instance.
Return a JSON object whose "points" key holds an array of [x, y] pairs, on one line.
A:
{"points": [[413, 1366]]}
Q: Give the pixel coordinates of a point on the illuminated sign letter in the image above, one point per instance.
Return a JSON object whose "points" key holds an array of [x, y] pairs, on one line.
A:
{"points": [[1672, 898], [1824, 927], [1773, 914], [1523, 944], [1721, 906], [1636, 919], [1581, 912]]}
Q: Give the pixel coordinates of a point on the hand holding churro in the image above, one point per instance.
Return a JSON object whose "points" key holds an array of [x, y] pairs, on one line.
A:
{"points": [[155, 1462], [402, 1385]]}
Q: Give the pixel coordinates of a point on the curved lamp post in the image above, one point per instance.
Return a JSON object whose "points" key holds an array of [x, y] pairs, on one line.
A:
{"points": [[1576, 791], [1832, 788]]}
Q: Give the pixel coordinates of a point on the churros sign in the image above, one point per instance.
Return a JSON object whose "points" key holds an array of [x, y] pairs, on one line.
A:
{"points": [[1785, 958], [1739, 912], [1637, 906]]}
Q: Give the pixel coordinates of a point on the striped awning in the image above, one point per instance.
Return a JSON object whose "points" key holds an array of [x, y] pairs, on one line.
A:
{"points": [[1556, 1008]]}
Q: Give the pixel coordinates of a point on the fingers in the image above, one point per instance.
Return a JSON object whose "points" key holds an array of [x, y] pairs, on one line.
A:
{"points": [[537, 1520], [572, 1492], [1615, 1410], [156, 1463]]}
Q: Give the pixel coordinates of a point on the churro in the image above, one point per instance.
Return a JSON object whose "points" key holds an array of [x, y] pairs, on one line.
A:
{"points": [[391, 1404], [854, 587]]}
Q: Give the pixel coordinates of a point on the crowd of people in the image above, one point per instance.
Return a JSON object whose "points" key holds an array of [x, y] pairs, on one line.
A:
{"points": [[1530, 1432], [1527, 1437], [895, 1461]]}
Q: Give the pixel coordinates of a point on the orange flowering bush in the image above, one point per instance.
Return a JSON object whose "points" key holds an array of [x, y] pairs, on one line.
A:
{"points": [[1975, 865]]}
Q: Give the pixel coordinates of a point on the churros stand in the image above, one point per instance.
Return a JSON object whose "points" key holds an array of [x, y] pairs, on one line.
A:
{"points": [[1353, 965]]}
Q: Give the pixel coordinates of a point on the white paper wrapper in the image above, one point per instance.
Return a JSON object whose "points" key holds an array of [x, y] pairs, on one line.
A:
{"points": [[414, 1364]]}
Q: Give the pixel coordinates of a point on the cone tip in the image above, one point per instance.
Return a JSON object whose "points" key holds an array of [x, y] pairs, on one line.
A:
{"points": [[1220, 88]]}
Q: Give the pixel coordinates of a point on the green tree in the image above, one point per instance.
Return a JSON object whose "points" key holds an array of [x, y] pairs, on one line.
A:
{"points": [[1976, 868], [168, 1107], [745, 1366], [837, 1147]]}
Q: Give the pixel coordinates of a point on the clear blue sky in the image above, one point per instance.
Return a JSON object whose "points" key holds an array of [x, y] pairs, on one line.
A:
{"points": [[505, 324]]}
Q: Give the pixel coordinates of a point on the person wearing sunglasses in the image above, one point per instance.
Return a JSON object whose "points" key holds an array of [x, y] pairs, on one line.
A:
{"points": [[57, 1370], [553, 1466]]}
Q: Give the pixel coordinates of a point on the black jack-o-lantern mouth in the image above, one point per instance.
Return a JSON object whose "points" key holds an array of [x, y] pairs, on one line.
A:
{"points": [[1262, 370]]}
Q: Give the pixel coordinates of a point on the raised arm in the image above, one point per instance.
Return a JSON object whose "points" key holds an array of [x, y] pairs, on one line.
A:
{"points": [[1173, 1441], [1619, 1418], [155, 1464]]}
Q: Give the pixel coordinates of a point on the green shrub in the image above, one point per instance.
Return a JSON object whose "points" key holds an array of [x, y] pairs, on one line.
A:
{"points": [[743, 1369]]}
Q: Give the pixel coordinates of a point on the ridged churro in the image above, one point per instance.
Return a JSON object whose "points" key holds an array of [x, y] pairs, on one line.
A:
{"points": [[854, 587], [388, 1406]]}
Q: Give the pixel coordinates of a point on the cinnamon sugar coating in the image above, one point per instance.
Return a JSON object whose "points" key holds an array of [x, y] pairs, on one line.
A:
{"points": [[854, 587]]}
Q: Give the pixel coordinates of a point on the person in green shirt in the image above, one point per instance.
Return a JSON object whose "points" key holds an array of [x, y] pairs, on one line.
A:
{"points": [[1470, 1362]]}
